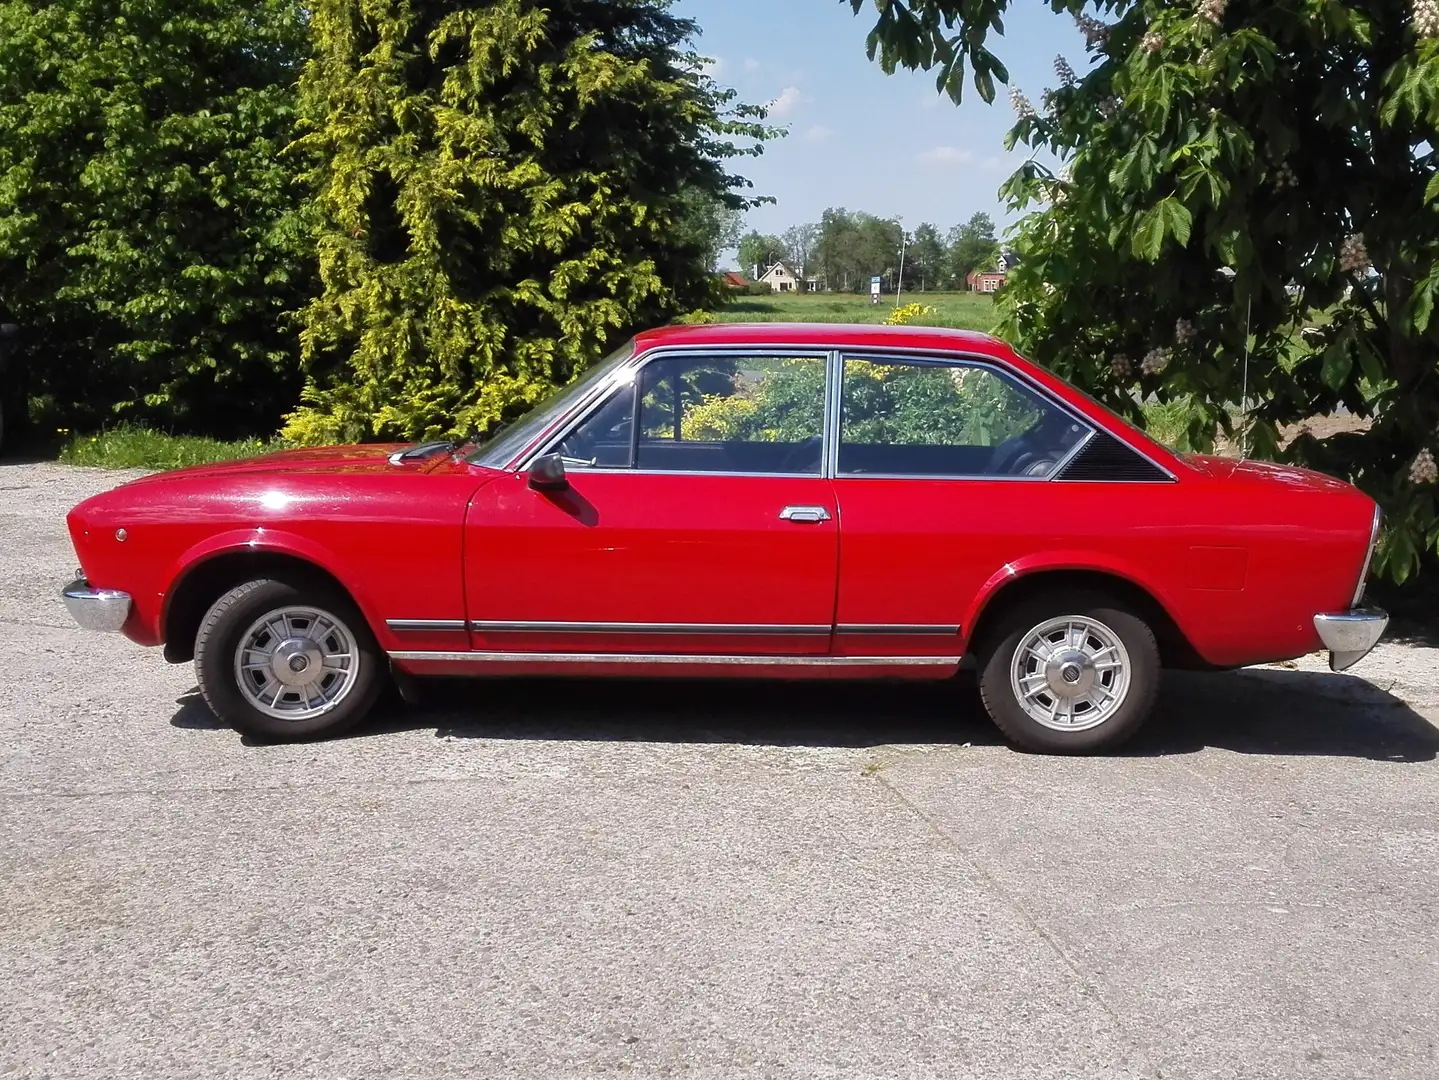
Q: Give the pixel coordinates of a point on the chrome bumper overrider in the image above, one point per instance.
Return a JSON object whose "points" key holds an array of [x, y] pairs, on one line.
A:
{"points": [[96, 609], [1349, 635]]}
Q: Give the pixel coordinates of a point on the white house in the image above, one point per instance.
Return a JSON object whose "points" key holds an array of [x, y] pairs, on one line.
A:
{"points": [[780, 278]]}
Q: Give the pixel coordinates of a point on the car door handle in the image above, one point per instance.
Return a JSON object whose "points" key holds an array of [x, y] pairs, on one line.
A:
{"points": [[804, 515]]}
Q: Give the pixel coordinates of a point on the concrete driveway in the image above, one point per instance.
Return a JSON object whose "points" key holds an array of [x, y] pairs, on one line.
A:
{"points": [[576, 880]]}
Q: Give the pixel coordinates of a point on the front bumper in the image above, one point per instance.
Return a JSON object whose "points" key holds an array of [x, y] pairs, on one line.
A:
{"points": [[96, 609], [1349, 635]]}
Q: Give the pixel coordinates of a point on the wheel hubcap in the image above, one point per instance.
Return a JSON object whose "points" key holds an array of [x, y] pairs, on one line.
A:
{"points": [[1070, 673], [295, 663]]}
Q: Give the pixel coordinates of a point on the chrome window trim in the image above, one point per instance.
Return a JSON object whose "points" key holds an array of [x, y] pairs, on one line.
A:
{"points": [[915, 629], [420, 625], [529, 626], [638, 363], [833, 402], [947, 360], [1368, 557], [678, 659], [639, 358]]}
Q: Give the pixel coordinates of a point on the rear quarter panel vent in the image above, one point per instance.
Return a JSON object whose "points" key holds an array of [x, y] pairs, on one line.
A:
{"points": [[1106, 458]]}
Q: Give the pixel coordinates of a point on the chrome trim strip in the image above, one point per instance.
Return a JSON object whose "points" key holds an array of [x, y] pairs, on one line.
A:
{"points": [[833, 402], [1062, 463], [421, 625], [706, 660], [1368, 558], [501, 626], [896, 628]]}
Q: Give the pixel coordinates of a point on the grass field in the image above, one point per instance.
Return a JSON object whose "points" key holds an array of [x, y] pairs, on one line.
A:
{"points": [[961, 311], [130, 446]]}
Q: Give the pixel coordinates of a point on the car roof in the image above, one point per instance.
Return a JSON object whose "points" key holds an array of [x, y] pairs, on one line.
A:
{"points": [[824, 335]]}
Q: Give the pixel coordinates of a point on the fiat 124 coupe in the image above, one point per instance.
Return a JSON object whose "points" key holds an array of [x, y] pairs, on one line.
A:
{"points": [[743, 501]]}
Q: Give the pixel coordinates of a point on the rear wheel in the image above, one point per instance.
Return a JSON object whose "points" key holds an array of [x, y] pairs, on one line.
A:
{"points": [[1070, 674], [287, 661]]}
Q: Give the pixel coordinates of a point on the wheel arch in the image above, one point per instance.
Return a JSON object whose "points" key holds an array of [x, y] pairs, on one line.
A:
{"points": [[1010, 589], [210, 575]]}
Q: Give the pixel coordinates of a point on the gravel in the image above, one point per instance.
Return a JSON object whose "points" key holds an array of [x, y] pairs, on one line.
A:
{"points": [[701, 880]]}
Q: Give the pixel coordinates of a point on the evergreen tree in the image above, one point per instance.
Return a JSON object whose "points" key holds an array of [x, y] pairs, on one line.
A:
{"points": [[503, 191]]}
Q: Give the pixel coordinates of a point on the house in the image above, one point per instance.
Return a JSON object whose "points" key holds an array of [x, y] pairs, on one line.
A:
{"points": [[985, 281], [731, 279], [780, 278]]}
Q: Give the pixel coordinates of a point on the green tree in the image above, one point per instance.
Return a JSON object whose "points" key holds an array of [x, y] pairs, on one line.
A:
{"points": [[799, 245], [710, 224], [972, 246], [150, 240], [503, 189], [1236, 175], [760, 250], [926, 256]]}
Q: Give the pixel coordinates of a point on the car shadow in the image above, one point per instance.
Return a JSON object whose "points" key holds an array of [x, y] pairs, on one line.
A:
{"points": [[1254, 711]]}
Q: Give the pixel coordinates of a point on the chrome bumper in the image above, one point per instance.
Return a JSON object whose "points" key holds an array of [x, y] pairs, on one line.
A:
{"points": [[96, 609], [1349, 635]]}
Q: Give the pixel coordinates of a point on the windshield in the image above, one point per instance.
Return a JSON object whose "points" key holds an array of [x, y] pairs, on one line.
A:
{"points": [[497, 451]]}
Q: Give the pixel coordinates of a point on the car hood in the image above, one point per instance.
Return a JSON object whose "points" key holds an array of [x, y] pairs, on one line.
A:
{"points": [[365, 458], [1264, 472]]}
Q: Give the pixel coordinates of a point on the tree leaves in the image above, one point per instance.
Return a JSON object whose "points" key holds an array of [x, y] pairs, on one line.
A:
{"points": [[1167, 218]]}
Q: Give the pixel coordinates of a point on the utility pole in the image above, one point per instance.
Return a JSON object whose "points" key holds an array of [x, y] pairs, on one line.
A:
{"points": [[899, 289]]}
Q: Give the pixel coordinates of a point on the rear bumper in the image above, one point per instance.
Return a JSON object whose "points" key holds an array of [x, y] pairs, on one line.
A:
{"points": [[96, 609], [1349, 635]]}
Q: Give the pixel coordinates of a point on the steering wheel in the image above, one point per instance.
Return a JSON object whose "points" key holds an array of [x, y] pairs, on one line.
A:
{"points": [[1013, 456]]}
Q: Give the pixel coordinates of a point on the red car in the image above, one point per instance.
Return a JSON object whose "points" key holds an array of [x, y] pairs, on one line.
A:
{"points": [[780, 501]]}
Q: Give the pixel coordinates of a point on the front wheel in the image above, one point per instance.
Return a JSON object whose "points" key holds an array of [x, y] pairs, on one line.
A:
{"points": [[287, 661], [1071, 674]]}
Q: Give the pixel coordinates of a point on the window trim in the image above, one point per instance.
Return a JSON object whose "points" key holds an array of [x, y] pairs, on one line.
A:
{"points": [[829, 452], [957, 361], [630, 384]]}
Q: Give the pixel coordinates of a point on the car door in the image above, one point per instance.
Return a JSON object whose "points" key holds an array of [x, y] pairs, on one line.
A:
{"points": [[941, 477], [696, 520]]}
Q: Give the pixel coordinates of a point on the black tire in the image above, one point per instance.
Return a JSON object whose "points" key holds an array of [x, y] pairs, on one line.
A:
{"points": [[231, 618], [997, 656]]}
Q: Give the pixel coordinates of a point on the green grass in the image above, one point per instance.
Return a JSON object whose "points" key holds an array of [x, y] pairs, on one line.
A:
{"points": [[961, 311], [133, 447]]}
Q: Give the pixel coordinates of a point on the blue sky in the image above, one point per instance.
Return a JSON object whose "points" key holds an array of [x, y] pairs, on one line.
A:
{"points": [[889, 145]]}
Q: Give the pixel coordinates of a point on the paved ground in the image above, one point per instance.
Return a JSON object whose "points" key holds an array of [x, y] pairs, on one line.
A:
{"points": [[702, 881]]}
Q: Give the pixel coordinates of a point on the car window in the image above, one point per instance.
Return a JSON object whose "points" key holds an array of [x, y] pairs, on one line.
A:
{"points": [[734, 414], [924, 418]]}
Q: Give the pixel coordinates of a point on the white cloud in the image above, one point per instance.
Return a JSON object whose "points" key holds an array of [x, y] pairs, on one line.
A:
{"points": [[818, 133], [788, 100], [946, 155], [713, 68], [751, 64]]}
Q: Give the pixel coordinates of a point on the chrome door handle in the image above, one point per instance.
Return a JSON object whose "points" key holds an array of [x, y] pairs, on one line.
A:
{"points": [[804, 515]]}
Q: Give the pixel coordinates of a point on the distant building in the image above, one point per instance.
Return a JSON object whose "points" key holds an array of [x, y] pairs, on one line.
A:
{"points": [[780, 278], [985, 281], [734, 280]]}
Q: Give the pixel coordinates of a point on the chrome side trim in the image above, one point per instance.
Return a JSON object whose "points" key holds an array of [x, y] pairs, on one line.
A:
{"points": [[702, 660], [421, 625], [501, 626], [897, 628], [833, 402], [96, 609], [1368, 558]]}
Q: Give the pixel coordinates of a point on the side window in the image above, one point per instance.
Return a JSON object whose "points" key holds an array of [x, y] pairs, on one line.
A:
{"points": [[740, 414], [921, 418], [604, 440]]}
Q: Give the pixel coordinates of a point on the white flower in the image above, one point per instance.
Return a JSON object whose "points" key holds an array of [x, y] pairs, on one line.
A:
{"points": [[1109, 107], [1213, 10], [1425, 17], [1353, 255], [1153, 41], [1021, 104], [1155, 361], [1064, 72], [1120, 366], [1205, 55], [1423, 470], [1284, 177], [1183, 332], [1094, 31]]}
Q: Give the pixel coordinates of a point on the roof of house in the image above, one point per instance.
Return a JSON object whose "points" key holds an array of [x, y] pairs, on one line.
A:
{"points": [[777, 266], [738, 280]]}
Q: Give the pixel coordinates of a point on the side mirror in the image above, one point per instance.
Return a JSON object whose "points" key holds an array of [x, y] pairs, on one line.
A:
{"points": [[548, 473]]}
